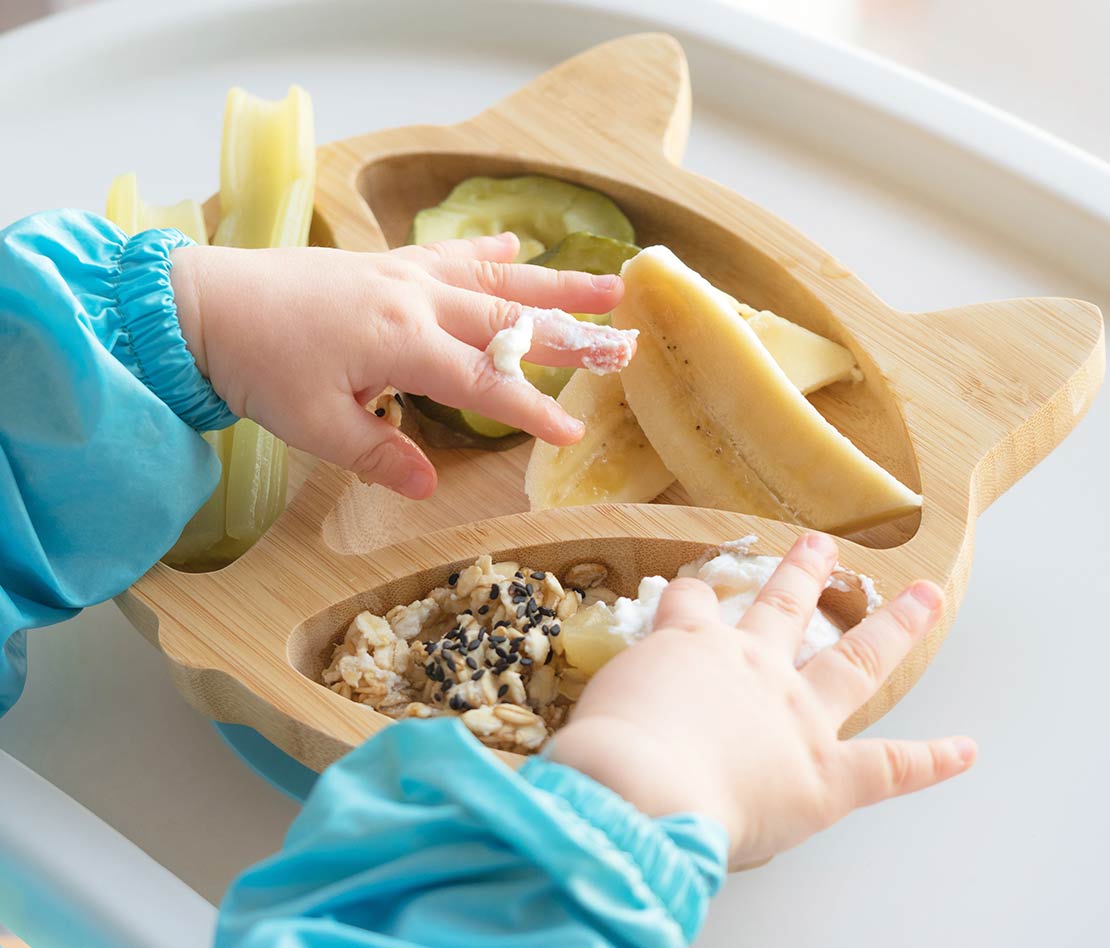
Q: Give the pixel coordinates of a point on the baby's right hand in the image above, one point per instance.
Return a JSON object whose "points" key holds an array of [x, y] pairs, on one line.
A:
{"points": [[300, 339], [704, 717]]}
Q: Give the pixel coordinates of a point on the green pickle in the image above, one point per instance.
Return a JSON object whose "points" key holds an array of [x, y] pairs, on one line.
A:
{"points": [[540, 211], [560, 225]]}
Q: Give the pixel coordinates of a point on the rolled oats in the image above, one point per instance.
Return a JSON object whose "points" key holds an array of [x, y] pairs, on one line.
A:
{"points": [[480, 647]]}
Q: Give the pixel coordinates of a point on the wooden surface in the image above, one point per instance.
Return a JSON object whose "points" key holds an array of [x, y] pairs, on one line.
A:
{"points": [[958, 404]]}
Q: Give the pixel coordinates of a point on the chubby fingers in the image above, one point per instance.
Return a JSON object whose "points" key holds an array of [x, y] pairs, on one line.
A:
{"points": [[453, 373], [344, 432], [687, 603], [847, 674], [500, 248], [558, 339], [881, 769], [532, 285], [786, 602]]}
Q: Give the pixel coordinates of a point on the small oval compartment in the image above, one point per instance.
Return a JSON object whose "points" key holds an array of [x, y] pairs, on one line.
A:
{"points": [[398, 186], [627, 559]]}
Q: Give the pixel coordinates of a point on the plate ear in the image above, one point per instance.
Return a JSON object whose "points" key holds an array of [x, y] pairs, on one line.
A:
{"points": [[999, 385], [635, 87]]}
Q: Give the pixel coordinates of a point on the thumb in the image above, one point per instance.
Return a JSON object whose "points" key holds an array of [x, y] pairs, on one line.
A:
{"points": [[352, 437]]}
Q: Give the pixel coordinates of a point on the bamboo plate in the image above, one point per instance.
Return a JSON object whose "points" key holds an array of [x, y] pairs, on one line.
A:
{"points": [[959, 404]]}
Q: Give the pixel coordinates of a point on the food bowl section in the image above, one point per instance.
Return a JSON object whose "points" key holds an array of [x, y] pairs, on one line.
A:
{"points": [[507, 642]]}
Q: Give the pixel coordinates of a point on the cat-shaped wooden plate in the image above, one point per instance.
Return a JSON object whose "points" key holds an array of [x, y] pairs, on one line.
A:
{"points": [[958, 404]]}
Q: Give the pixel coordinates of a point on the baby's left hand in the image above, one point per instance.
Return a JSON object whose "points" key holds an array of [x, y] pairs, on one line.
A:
{"points": [[301, 339]]}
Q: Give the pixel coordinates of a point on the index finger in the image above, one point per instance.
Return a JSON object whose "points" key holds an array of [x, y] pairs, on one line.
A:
{"points": [[687, 603], [786, 602], [499, 248]]}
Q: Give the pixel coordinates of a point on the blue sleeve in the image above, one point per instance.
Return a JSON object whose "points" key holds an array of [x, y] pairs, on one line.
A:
{"points": [[421, 837], [100, 402]]}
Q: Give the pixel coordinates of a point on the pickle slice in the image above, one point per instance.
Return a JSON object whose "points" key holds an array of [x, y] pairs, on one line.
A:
{"points": [[541, 211], [589, 253]]}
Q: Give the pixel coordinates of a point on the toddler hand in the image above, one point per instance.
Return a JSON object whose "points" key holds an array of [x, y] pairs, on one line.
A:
{"points": [[704, 717], [301, 339]]}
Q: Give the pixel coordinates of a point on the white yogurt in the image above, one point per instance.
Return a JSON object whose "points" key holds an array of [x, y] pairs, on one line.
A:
{"points": [[736, 576], [605, 349]]}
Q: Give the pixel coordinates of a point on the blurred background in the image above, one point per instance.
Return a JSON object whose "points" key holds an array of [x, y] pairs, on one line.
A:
{"points": [[1043, 61]]}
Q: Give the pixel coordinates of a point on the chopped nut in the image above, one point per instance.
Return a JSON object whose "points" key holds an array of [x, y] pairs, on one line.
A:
{"points": [[586, 575]]}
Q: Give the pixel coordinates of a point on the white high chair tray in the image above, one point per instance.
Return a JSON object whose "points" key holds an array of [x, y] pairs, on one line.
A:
{"points": [[930, 198]]}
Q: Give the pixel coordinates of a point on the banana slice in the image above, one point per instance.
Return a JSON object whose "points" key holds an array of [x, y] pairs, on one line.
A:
{"points": [[595, 470], [727, 420], [613, 463]]}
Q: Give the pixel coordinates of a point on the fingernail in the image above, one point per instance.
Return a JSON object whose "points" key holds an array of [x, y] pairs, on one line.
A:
{"points": [[927, 594], [574, 426], [604, 281], [821, 542], [965, 748], [418, 484]]}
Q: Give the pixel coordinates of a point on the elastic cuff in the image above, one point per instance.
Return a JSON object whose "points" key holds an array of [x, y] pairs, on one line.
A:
{"points": [[682, 859], [148, 314]]}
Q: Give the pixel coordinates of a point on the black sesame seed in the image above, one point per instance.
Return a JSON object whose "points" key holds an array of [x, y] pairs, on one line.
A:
{"points": [[515, 644], [520, 610], [451, 663], [550, 655], [466, 612], [452, 579], [502, 691], [518, 574], [529, 588], [503, 624], [501, 653], [500, 668], [494, 591], [430, 668], [472, 662], [497, 639], [556, 629], [454, 703], [397, 397], [482, 610], [525, 660], [448, 684], [465, 706], [430, 647], [478, 674], [544, 611], [473, 645], [541, 576], [380, 412]]}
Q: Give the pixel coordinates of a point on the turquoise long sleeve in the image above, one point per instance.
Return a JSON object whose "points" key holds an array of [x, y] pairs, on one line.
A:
{"points": [[100, 402], [421, 837]]}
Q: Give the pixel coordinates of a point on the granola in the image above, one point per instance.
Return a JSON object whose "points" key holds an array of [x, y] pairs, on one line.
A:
{"points": [[484, 646]]}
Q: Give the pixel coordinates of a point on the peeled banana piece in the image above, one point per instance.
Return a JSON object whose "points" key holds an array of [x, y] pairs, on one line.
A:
{"points": [[728, 421], [613, 463]]}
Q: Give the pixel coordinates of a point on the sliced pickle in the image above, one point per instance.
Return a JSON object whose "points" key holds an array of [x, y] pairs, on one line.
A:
{"points": [[541, 211], [589, 253]]}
